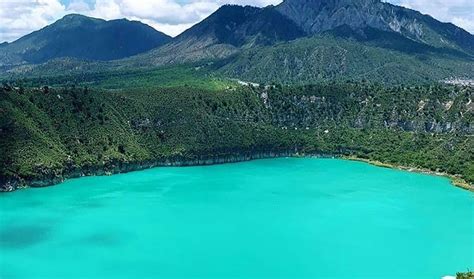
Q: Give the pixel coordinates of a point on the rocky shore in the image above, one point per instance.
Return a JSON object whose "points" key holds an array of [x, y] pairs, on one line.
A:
{"points": [[455, 180], [50, 178]]}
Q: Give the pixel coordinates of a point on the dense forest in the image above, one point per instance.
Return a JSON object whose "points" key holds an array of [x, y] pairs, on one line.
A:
{"points": [[52, 133]]}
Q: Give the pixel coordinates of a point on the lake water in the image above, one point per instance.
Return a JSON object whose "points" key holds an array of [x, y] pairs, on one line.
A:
{"points": [[278, 218]]}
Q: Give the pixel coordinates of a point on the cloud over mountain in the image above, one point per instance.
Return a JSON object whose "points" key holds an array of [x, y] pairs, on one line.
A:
{"points": [[20, 17]]}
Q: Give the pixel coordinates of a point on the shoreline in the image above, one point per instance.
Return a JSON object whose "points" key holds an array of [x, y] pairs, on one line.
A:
{"points": [[455, 180], [126, 167], [117, 167]]}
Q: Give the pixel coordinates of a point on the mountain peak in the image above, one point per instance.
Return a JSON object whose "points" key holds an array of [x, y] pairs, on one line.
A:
{"points": [[328, 5], [75, 16], [332, 2], [318, 16], [79, 18], [243, 26], [83, 37]]}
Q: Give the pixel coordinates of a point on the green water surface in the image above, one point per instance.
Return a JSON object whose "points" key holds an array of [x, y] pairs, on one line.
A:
{"points": [[279, 218]]}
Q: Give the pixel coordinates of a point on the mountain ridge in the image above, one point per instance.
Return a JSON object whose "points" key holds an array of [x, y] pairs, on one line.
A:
{"points": [[279, 43], [317, 16], [222, 34], [82, 37], [233, 29]]}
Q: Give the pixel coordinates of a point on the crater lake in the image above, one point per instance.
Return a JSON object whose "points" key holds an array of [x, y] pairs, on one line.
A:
{"points": [[275, 218]]}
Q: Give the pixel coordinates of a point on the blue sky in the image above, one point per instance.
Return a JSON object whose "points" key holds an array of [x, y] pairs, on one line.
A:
{"points": [[20, 17]]}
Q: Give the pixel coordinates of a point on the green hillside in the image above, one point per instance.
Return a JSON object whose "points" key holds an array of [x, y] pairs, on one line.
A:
{"points": [[333, 58], [195, 76], [50, 134], [325, 57], [82, 37]]}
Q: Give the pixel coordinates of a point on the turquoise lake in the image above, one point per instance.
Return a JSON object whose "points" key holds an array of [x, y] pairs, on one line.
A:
{"points": [[276, 218]]}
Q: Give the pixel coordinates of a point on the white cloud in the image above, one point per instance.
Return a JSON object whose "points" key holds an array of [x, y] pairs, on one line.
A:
{"points": [[459, 12], [78, 6], [170, 15], [466, 23], [170, 29], [20, 17]]}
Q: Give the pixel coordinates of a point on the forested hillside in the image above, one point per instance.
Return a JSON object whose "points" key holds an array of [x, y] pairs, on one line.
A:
{"points": [[359, 78], [82, 37], [48, 134], [326, 57]]}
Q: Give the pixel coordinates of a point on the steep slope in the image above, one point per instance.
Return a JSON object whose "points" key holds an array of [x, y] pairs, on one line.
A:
{"points": [[325, 57], [82, 37], [243, 26], [317, 16], [302, 41], [223, 33], [51, 134], [272, 44]]}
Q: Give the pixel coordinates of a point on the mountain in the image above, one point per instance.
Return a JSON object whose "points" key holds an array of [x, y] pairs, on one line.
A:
{"points": [[333, 38], [223, 33], [330, 58], [246, 27], [303, 41], [317, 16], [82, 37], [243, 27]]}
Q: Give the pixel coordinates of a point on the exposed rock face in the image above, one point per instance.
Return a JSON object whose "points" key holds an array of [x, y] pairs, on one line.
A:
{"points": [[317, 16], [170, 127], [234, 31], [362, 111], [49, 177]]}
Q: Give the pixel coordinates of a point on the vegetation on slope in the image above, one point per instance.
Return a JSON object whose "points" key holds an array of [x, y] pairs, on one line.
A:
{"points": [[51, 133], [465, 275], [82, 37], [296, 42], [340, 54], [195, 76], [325, 58]]}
